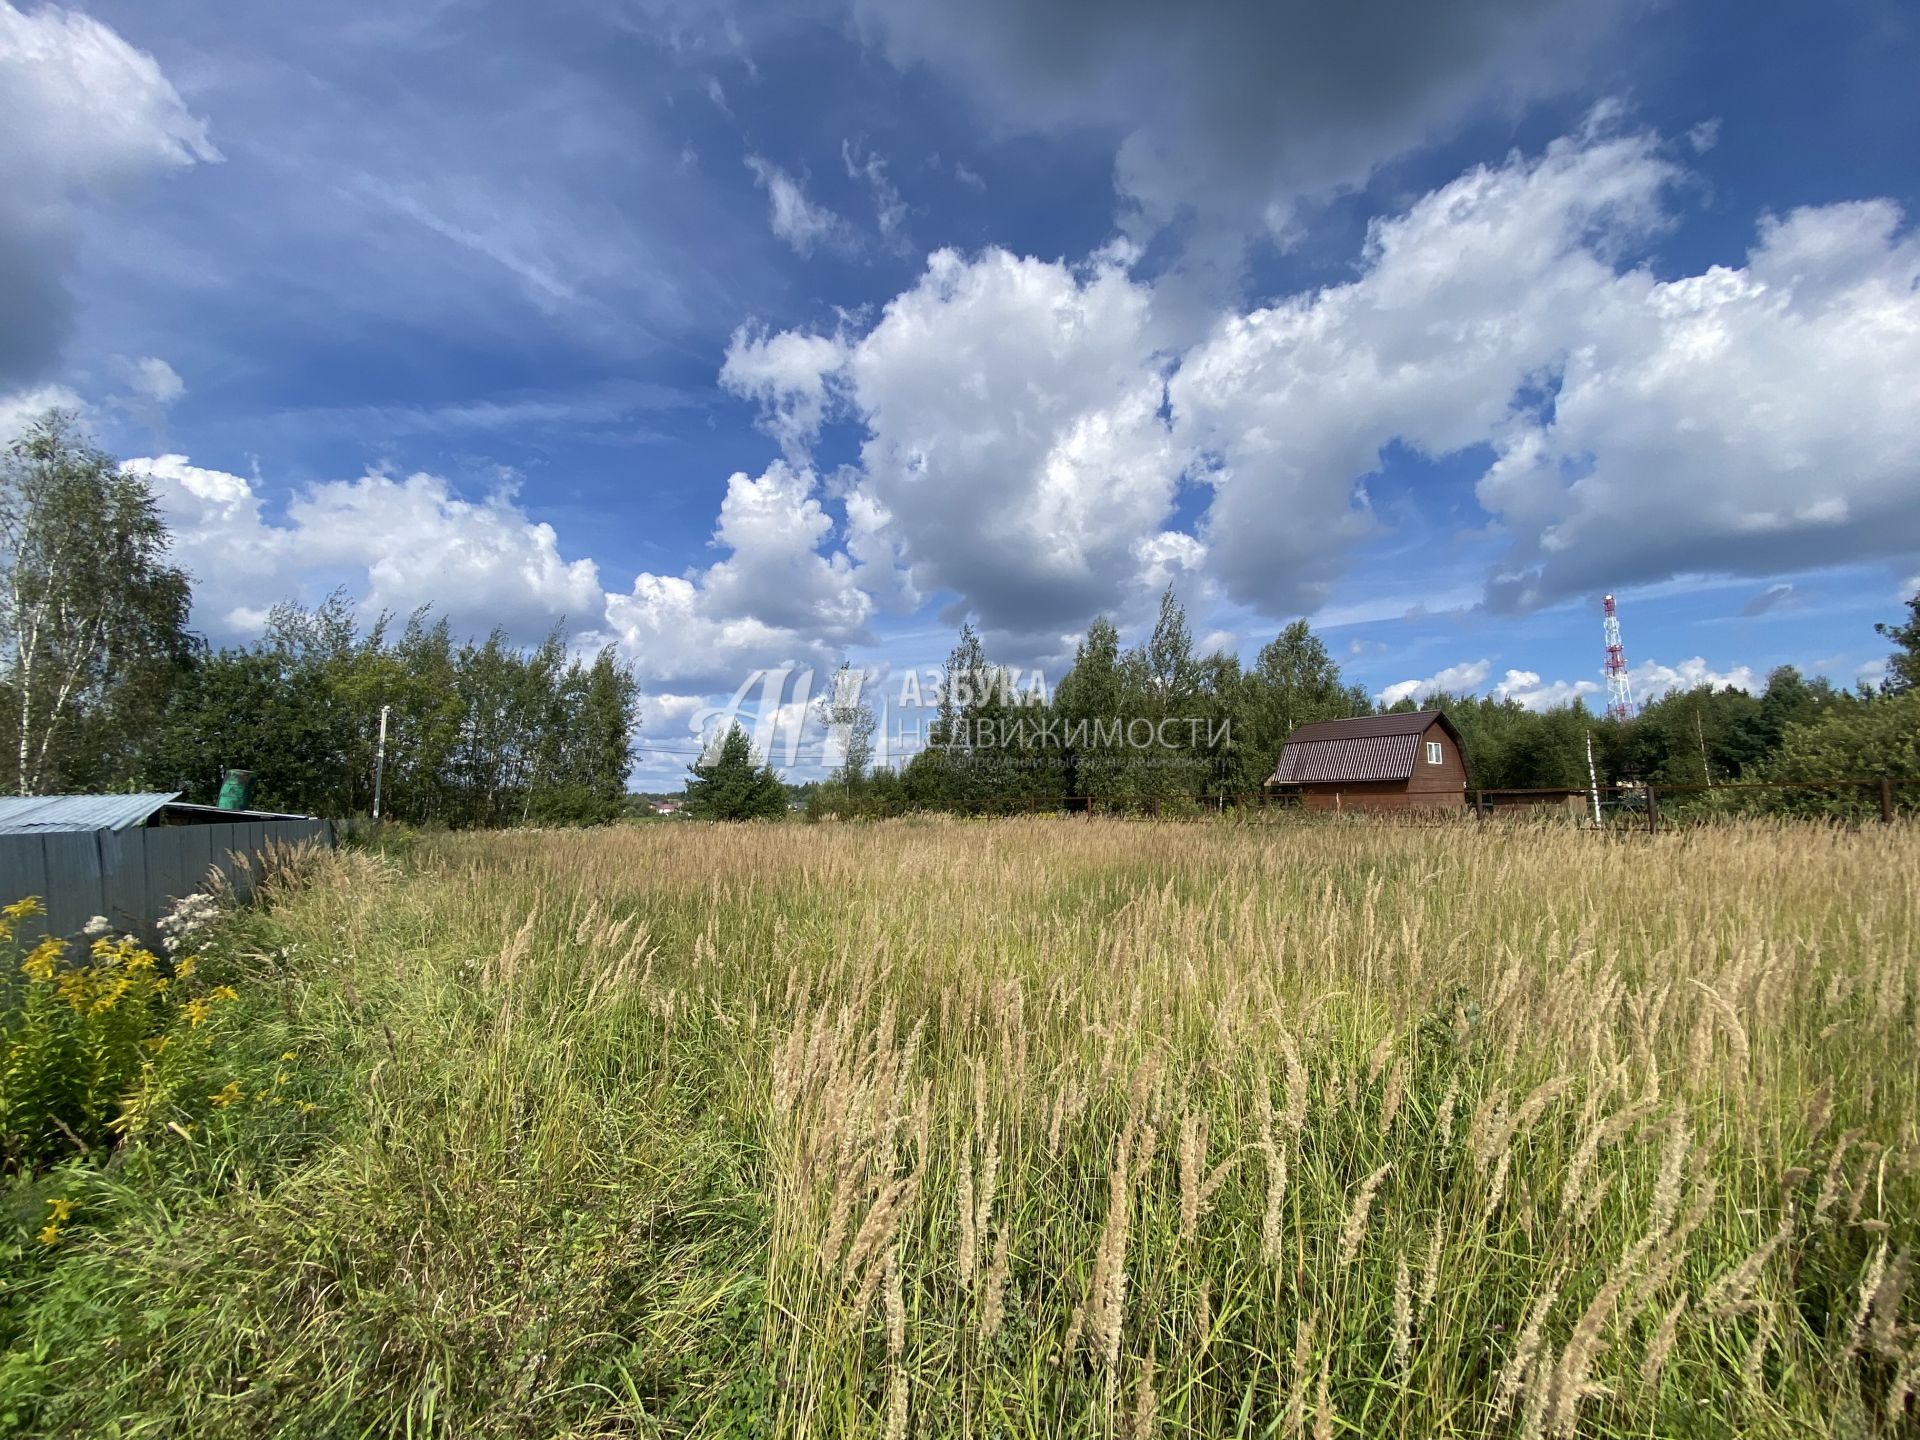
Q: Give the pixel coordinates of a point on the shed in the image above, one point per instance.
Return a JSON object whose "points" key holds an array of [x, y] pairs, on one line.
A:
{"points": [[1406, 761], [129, 857]]}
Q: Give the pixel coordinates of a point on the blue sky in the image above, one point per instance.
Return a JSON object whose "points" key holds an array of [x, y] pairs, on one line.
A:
{"points": [[752, 335]]}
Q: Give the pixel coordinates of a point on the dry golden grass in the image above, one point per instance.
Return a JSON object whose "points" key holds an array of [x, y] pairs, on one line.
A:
{"points": [[1069, 1127], [1106, 1111]]}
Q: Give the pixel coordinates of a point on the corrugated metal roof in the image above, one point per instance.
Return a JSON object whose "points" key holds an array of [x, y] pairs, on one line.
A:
{"points": [[1361, 757], [39, 814], [1363, 747]]}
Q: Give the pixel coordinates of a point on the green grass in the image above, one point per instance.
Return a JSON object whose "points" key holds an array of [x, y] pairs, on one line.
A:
{"points": [[814, 1131]]}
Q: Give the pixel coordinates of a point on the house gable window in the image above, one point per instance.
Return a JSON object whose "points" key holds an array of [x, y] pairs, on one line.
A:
{"points": [[1433, 752]]}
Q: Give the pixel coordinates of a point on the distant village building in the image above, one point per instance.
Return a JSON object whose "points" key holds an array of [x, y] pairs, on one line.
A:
{"points": [[1375, 762]]}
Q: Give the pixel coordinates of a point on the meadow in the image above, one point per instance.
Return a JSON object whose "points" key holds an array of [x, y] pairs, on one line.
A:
{"points": [[1021, 1128]]}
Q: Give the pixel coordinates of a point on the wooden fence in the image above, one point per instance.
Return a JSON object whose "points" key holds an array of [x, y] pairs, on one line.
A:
{"points": [[133, 876], [1641, 803]]}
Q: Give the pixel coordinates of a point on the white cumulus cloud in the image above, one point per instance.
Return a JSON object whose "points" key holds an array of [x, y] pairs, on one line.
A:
{"points": [[1742, 420], [1015, 453], [1651, 679], [22, 407], [789, 375], [1526, 688], [1026, 424], [84, 114], [1748, 419], [396, 542], [1464, 298], [775, 598], [1461, 679]]}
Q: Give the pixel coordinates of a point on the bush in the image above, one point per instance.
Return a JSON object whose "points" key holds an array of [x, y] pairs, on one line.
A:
{"points": [[98, 1049], [1877, 737]]}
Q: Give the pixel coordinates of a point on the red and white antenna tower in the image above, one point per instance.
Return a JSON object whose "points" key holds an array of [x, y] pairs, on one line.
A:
{"points": [[1619, 689]]}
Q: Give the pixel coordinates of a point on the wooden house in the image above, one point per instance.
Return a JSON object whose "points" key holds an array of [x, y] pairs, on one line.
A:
{"points": [[1412, 760]]}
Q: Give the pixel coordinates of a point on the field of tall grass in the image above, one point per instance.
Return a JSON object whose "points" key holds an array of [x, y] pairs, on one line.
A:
{"points": [[1020, 1128]]}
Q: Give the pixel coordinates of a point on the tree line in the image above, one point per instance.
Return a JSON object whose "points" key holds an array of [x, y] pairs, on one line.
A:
{"points": [[103, 687], [1158, 727]]}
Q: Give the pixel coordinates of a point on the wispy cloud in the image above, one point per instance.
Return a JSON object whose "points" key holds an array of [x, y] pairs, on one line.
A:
{"points": [[804, 225], [889, 210]]}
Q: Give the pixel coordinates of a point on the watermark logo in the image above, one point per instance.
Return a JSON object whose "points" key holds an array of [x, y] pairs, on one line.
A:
{"points": [[792, 717]]}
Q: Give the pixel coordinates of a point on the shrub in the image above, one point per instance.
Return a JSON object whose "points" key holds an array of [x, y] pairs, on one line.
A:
{"points": [[1879, 737], [99, 1048]]}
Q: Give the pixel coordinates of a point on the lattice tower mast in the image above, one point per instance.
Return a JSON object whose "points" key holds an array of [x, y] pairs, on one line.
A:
{"points": [[1619, 688]]}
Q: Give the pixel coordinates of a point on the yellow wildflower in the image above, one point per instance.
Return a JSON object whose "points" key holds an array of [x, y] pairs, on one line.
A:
{"points": [[196, 1010], [110, 994], [287, 1055], [40, 960], [222, 992], [226, 1097], [49, 1234], [62, 1209], [159, 1043], [307, 1107], [21, 909], [185, 966]]}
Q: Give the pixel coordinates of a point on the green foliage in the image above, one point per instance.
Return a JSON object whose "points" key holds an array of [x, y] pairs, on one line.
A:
{"points": [[1862, 739], [101, 687], [1508, 746], [481, 734], [1229, 725], [734, 785], [100, 1050], [1152, 729], [849, 722], [1903, 666], [92, 618]]}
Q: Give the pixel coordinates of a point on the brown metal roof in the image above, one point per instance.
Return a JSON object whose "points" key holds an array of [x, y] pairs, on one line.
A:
{"points": [[1367, 757], [1365, 747]]}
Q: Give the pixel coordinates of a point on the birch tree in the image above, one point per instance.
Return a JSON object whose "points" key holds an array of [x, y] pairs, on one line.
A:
{"points": [[87, 599]]}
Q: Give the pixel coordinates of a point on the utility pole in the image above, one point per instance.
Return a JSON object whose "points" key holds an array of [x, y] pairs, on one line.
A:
{"points": [[1593, 781], [380, 759]]}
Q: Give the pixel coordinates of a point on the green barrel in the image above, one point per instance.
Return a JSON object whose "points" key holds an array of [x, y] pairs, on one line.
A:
{"points": [[236, 791]]}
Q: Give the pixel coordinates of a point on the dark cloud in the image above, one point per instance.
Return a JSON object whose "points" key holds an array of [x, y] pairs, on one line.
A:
{"points": [[1233, 109], [38, 307], [1768, 599]]}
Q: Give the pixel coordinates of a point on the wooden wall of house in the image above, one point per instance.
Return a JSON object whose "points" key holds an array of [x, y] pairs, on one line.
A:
{"points": [[1449, 776], [1429, 787]]}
